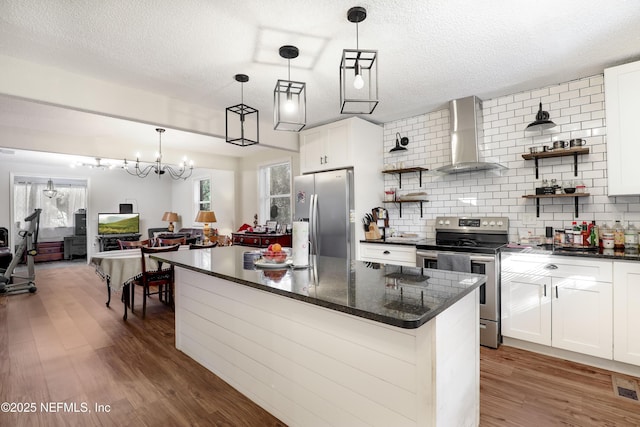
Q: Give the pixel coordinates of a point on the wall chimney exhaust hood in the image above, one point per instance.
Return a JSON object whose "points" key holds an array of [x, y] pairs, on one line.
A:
{"points": [[465, 118]]}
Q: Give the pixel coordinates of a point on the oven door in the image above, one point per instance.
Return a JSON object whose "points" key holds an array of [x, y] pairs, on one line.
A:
{"points": [[489, 292]]}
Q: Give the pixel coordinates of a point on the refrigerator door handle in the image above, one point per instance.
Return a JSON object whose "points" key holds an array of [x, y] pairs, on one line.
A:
{"points": [[314, 225]]}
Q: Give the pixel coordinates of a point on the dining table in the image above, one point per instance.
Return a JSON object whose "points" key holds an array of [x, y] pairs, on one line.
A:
{"points": [[119, 269]]}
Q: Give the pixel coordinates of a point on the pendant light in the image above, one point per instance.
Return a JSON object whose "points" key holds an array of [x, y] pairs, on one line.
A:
{"points": [[358, 73], [542, 121], [289, 98], [50, 192], [242, 126]]}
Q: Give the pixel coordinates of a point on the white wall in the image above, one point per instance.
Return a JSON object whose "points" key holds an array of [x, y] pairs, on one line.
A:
{"points": [[577, 107], [151, 196]]}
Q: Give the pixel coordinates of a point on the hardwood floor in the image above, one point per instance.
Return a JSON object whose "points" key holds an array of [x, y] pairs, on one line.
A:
{"points": [[62, 345]]}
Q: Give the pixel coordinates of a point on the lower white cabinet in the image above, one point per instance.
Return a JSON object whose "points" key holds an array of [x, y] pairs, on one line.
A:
{"points": [[388, 254], [563, 302], [626, 312]]}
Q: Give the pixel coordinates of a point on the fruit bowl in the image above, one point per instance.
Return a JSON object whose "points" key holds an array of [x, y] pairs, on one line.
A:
{"points": [[275, 257]]}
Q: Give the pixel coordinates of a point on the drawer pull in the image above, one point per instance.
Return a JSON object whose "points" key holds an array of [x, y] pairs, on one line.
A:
{"points": [[386, 252], [545, 290], [556, 292], [551, 267]]}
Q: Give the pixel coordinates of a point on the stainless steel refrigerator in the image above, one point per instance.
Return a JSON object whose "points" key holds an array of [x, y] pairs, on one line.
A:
{"points": [[325, 199]]}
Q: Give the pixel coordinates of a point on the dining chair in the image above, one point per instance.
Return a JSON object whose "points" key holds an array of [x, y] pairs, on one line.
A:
{"points": [[162, 278], [168, 242], [133, 244], [196, 246]]}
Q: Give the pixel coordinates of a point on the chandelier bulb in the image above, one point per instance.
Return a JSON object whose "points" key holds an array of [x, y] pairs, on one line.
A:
{"points": [[358, 82]]}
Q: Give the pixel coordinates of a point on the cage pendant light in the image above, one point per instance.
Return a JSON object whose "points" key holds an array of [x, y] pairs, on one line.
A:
{"points": [[241, 121], [289, 98], [358, 73]]}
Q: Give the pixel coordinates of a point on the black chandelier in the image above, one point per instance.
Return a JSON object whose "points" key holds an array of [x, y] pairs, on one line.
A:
{"points": [[181, 172]]}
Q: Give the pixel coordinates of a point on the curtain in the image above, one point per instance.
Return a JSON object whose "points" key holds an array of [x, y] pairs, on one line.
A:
{"points": [[57, 211]]}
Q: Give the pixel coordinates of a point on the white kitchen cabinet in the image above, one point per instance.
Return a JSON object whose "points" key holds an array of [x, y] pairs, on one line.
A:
{"points": [[622, 104], [626, 312], [338, 145], [388, 253], [563, 302]]}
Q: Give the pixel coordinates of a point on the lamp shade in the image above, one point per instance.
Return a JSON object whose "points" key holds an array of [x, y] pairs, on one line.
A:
{"points": [[170, 216], [206, 216]]}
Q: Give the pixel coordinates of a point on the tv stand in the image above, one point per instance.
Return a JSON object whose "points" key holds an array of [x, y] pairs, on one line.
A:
{"points": [[110, 242]]}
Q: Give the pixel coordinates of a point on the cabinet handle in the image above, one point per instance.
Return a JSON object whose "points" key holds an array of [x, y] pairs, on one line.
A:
{"points": [[325, 160], [556, 292], [545, 290], [321, 160], [386, 252], [551, 267]]}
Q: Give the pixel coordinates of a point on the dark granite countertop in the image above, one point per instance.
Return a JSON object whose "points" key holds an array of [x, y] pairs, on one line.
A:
{"points": [[407, 241], [406, 297], [612, 254]]}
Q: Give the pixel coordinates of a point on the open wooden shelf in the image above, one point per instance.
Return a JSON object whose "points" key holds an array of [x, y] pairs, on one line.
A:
{"points": [[399, 172], [559, 152], [553, 196], [400, 202]]}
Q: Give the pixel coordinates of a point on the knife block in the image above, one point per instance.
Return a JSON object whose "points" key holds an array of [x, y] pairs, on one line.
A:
{"points": [[373, 233]]}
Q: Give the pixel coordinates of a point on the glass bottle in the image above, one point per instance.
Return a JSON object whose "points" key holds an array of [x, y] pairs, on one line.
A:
{"points": [[618, 235], [630, 236]]}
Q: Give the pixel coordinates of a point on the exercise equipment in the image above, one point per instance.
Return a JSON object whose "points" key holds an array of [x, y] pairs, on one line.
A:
{"points": [[11, 283]]}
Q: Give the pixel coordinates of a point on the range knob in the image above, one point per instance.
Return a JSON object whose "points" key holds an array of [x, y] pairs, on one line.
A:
{"points": [[500, 223], [441, 222], [492, 223], [485, 223], [447, 222]]}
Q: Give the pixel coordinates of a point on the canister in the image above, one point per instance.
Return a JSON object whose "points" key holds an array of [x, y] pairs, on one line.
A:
{"points": [[607, 240]]}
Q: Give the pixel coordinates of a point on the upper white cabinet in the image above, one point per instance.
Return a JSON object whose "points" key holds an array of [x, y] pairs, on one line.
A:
{"points": [[626, 309], [563, 302], [622, 104], [339, 145]]}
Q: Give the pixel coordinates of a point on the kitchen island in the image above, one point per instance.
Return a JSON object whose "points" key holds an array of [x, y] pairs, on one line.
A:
{"points": [[342, 343]]}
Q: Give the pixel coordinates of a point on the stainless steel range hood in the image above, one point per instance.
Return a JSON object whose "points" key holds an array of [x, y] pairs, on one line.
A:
{"points": [[466, 132]]}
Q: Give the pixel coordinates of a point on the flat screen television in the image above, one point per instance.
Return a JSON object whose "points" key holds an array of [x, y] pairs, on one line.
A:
{"points": [[117, 223]]}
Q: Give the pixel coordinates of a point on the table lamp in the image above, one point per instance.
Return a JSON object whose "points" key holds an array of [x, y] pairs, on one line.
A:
{"points": [[171, 217], [206, 217]]}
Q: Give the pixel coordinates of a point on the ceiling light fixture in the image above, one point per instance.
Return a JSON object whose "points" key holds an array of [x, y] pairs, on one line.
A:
{"points": [[289, 98], [50, 191], [96, 165], [358, 94], [542, 121], [158, 167], [240, 128], [401, 143]]}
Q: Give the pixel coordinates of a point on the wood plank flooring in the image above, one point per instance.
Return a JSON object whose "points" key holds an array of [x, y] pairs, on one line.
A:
{"points": [[63, 346]]}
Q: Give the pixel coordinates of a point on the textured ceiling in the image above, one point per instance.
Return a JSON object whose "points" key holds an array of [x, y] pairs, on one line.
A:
{"points": [[430, 51]]}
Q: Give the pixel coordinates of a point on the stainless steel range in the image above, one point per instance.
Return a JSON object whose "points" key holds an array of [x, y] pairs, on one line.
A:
{"points": [[480, 239]]}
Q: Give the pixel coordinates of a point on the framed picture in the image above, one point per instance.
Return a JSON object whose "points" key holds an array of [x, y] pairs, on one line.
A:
{"points": [[271, 225]]}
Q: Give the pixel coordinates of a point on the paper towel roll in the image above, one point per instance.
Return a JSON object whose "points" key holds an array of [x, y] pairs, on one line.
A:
{"points": [[300, 244]]}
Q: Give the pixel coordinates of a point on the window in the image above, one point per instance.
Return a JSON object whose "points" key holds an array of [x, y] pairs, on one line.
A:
{"points": [[58, 210], [275, 193], [202, 195]]}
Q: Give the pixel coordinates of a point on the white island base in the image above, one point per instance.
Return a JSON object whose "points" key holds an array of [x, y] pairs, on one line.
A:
{"points": [[312, 366]]}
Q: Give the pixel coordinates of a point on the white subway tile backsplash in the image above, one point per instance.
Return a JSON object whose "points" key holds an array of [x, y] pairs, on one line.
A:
{"points": [[577, 107]]}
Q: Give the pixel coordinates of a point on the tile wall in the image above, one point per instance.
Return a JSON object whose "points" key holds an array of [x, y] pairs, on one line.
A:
{"points": [[577, 107]]}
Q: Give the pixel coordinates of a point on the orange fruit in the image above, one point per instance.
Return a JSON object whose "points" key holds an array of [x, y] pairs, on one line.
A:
{"points": [[277, 247]]}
